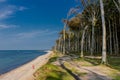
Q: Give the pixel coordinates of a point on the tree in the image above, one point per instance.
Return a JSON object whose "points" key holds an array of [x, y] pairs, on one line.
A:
{"points": [[104, 33], [82, 41], [117, 4]]}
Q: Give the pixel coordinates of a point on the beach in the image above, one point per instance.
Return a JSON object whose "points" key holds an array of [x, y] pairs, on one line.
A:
{"points": [[25, 72]]}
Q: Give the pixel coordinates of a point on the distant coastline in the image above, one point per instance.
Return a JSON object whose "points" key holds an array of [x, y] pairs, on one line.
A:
{"points": [[25, 71], [12, 59]]}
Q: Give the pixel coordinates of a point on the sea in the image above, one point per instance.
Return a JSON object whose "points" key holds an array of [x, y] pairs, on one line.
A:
{"points": [[11, 59]]}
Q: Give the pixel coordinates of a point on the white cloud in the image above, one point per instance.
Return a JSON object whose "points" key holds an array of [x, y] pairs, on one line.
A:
{"points": [[4, 26], [32, 34], [27, 40], [2, 1], [22, 8], [8, 11]]}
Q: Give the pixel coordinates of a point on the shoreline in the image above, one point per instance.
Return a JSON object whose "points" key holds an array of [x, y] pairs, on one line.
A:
{"points": [[25, 72]]}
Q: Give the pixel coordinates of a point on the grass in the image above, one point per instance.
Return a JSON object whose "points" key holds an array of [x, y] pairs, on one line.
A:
{"points": [[117, 77], [114, 63], [111, 62], [83, 62], [52, 59], [74, 70], [112, 68], [94, 62], [52, 72]]}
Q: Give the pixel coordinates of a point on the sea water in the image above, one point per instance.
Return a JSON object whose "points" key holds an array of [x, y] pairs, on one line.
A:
{"points": [[11, 59]]}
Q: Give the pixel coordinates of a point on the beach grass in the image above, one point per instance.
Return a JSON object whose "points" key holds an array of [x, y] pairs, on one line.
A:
{"points": [[51, 71]]}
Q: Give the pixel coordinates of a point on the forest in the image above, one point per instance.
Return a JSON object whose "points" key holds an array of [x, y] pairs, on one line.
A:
{"points": [[88, 46], [91, 29]]}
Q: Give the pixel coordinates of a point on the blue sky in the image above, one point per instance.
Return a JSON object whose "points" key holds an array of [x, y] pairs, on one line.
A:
{"points": [[31, 24]]}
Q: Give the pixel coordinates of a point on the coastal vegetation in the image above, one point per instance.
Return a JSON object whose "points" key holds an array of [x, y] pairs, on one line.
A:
{"points": [[51, 71], [88, 46], [78, 69], [91, 29]]}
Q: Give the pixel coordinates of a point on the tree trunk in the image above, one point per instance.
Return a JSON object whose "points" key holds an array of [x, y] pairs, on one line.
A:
{"points": [[116, 36], [89, 42], [93, 41], [110, 38], [64, 38], [118, 7], [104, 33], [114, 39], [69, 39], [82, 41]]}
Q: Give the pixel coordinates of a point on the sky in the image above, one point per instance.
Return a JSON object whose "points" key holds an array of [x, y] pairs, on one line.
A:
{"points": [[31, 24]]}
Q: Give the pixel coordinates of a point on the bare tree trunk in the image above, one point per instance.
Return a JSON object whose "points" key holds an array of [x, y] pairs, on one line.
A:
{"points": [[116, 36], [69, 39], [86, 40], [93, 41], [60, 45], [89, 43], [64, 37], [78, 42], [104, 33], [114, 39], [76, 45], [82, 41], [98, 44], [110, 38], [118, 7]]}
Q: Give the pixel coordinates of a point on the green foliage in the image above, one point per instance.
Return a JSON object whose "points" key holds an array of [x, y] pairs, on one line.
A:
{"points": [[52, 72], [93, 61], [74, 70], [117, 77], [53, 59], [83, 62], [114, 62], [81, 73]]}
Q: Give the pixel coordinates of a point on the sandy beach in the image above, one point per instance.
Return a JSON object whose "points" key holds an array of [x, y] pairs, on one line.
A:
{"points": [[26, 71]]}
